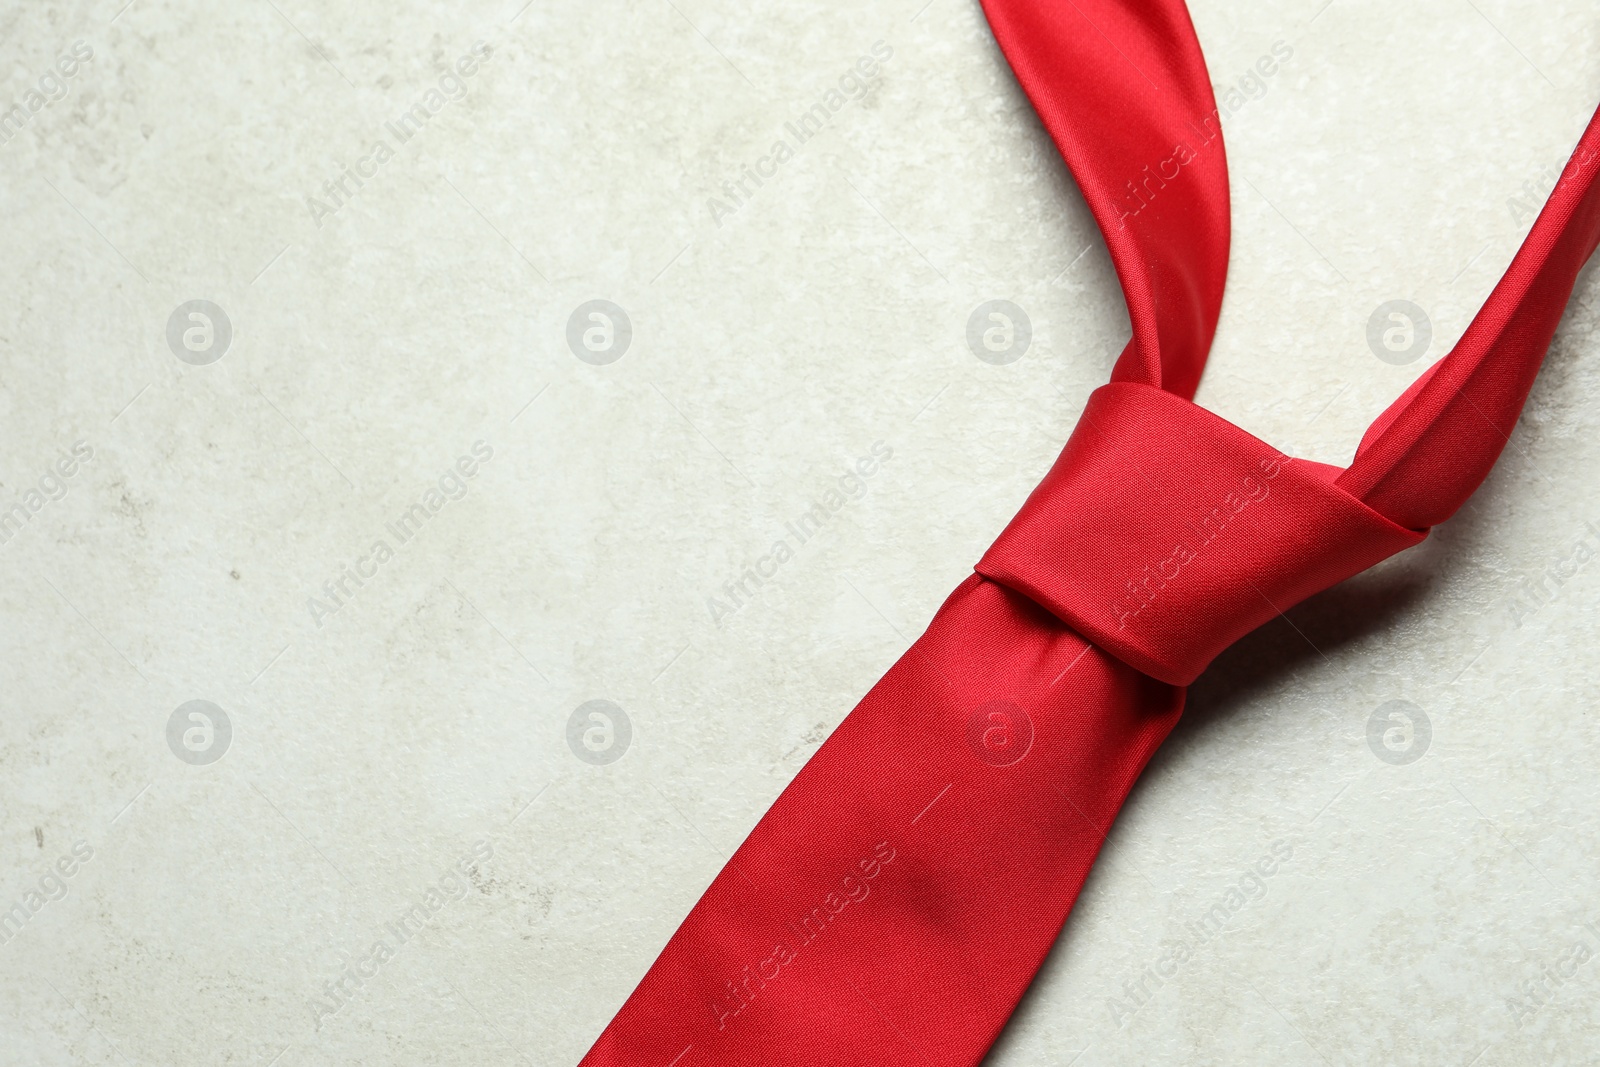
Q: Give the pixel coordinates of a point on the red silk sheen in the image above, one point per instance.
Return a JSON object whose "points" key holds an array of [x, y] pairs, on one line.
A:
{"points": [[1423, 458], [899, 896], [1172, 516], [895, 902], [1121, 87]]}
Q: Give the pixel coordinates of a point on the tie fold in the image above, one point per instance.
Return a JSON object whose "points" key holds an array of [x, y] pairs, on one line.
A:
{"points": [[1164, 533]]}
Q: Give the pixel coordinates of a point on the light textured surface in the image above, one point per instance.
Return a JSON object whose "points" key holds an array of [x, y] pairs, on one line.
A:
{"points": [[1438, 911]]}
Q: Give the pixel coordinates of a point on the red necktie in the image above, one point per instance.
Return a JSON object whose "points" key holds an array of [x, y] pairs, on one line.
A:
{"points": [[896, 901]]}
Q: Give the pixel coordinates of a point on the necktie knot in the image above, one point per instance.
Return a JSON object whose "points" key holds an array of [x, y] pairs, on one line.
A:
{"points": [[1164, 533]]}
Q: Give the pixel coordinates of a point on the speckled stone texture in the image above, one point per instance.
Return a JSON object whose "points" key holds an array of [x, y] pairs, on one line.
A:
{"points": [[397, 746]]}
